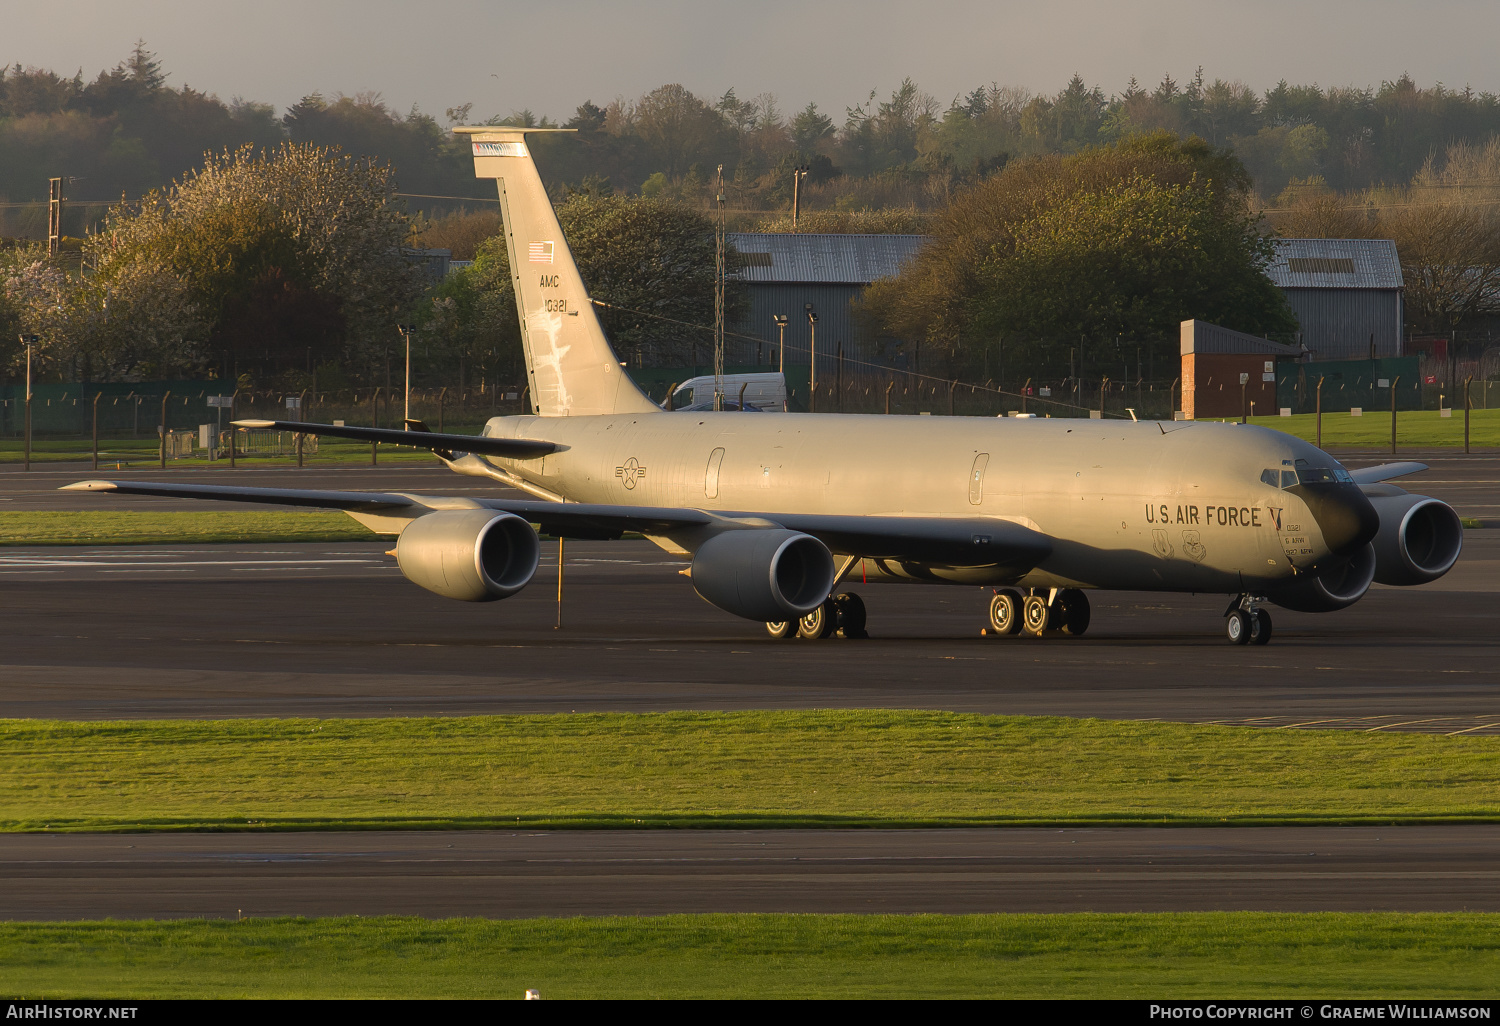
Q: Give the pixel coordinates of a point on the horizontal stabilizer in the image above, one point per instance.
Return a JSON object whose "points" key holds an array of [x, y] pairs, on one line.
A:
{"points": [[1386, 471], [509, 448]]}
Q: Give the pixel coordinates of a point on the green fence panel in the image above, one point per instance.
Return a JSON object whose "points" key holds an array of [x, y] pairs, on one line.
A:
{"points": [[1350, 383]]}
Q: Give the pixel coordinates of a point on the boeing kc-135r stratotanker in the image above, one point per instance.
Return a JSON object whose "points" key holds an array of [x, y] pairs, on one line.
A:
{"points": [[776, 512]]}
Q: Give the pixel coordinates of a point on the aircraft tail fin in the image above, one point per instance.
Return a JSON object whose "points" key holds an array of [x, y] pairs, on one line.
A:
{"points": [[571, 368]]}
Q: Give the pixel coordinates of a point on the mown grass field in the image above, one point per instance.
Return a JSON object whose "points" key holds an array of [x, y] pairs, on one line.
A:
{"points": [[1150, 955], [736, 769], [1416, 429], [128, 527]]}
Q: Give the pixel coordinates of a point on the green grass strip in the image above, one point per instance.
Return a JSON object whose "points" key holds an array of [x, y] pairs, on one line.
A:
{"points": [[1414, 428], [1304, 956], [875, 768], [118, 527]]}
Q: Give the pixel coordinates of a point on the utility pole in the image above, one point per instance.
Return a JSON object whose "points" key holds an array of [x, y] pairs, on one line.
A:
{"points": [[798, 173], [54, 217], [719, 242], [812, 359], [781, 322]]}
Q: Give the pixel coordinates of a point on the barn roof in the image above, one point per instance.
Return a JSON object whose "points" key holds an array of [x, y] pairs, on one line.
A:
{"points": [[822, 259], [1336, 264]]}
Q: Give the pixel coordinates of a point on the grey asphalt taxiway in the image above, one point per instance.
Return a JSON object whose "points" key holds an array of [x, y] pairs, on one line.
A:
{"points": [[334, 630], [483, 873]]}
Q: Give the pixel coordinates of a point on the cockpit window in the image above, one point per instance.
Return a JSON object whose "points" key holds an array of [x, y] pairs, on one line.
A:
{"points": [[1288, 478], [1323, 475], [1271, 477]]}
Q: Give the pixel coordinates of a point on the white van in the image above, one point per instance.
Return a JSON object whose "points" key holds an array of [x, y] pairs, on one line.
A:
{"points": [[765, 391]]}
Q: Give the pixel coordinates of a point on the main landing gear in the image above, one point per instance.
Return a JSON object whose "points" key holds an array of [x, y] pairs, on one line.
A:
{"points": [[1246, 623], [843, 615], [1064, 611]]}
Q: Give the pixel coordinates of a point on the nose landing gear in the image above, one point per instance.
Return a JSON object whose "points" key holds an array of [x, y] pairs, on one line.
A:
{"points": [[1246, 623]]}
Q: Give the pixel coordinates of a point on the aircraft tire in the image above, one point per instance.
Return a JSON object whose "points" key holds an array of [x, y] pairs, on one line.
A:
{"points": [[1075, 611], [1238, 627], [1005, 613], [1263, 635], [820, 623], [780, 630], [851, 616], [1036, 615]]}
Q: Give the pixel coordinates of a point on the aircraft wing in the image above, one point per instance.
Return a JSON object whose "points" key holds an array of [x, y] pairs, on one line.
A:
{"points": [[511, 448], [1386, 471], [952, 541]]}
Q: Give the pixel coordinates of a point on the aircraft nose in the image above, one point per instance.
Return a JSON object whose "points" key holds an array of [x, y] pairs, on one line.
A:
{"points": [[1344, 515]]}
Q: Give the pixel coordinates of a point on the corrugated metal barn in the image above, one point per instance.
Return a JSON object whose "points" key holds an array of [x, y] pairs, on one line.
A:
{"points": [[1346, 294], [785, 273]]}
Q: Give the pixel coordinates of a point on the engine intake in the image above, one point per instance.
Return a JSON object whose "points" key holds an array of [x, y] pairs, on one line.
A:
{"points": [[1419, 540], [1330, 589], [474, 555], [767, 575]]}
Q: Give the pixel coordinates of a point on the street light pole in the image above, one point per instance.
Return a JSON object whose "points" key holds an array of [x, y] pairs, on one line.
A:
{"points": [[812, 359], [26, 459], [406, 330], [781, 320]]}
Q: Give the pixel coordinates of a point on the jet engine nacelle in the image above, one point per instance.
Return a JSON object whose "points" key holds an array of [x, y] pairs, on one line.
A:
{"points": [[1330, 589], [1419, 540], [769, 575], [474, 555]]}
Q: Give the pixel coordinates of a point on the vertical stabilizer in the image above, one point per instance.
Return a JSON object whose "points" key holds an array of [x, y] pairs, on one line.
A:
{"points": [[573, 371]]}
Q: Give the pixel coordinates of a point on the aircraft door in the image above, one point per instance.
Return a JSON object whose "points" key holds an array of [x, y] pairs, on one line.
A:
{"points": [[976, 478], [711, 474]]}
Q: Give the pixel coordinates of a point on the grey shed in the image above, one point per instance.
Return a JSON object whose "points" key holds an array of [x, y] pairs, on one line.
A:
{"points": [[784, 273], [1346, 294]]}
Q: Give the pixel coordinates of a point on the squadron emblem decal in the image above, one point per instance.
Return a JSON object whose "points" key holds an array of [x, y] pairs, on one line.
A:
{"points": [[1192, 546], [630, 472], [1161, 544]]}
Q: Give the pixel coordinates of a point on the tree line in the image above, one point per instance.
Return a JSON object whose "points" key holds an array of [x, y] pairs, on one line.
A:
{"points": [[128, 131], [278, 261]]}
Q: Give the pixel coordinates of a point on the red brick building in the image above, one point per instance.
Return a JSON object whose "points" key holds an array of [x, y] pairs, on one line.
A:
{"points": [[1224, 372]]}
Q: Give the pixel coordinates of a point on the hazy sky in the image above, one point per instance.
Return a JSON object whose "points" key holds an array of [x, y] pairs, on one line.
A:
{"points": [[550, 55]]}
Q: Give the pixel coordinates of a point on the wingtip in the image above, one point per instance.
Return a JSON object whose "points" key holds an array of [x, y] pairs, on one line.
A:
{"points": [[253, 423], [89, 486]]}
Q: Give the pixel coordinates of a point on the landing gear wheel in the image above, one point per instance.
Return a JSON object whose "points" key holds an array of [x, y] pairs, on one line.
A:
{"points": [[1005, 613], [851, 616], [781, 629], [820, 623], [1075, 611], [1240, 626], [1263, 635], [1036, 615]]}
